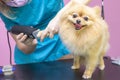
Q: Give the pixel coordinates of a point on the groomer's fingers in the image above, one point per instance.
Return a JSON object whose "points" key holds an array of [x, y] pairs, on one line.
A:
{"points": [[44, 34], [42, 37], [21, 37], [39, 34], [35, 42]]}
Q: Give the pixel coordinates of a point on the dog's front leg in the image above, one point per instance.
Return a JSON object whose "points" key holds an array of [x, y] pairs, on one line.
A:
{"points": [[90, 67], [76, 62]]}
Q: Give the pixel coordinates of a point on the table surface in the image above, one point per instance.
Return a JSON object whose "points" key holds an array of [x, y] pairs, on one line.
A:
{"points": [[61, 70]]}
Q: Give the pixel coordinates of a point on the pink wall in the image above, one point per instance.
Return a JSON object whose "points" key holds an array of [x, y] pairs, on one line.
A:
{"points": [[4, 49], [111, 16]]}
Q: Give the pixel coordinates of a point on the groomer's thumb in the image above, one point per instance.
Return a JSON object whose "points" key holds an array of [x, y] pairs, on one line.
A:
{"points": [[35, 41]]}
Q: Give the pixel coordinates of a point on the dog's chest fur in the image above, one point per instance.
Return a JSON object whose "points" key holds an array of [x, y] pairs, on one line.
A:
{"points": [[78, 41]]}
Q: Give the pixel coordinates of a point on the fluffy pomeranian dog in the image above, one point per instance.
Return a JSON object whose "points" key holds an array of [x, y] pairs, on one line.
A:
{"points": [[85, 33]]}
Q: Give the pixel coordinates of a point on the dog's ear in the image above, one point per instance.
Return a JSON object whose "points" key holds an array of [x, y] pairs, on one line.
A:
{"points": [[82, 1], [97, 9]]}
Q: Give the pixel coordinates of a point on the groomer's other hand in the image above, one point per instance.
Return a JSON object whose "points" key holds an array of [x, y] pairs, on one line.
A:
{"points": [[23, 38], [25, 44], [50, 30]]}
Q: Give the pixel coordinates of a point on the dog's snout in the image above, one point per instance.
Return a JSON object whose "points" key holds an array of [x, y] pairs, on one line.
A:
{"points": [[78, 21]]}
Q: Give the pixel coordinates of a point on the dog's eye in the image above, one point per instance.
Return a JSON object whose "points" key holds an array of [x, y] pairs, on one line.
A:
{"points": [[86, 18], [75, 15]]}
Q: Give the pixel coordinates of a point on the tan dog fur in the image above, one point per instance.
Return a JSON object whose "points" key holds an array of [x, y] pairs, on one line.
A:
{"points": [[90, 42]]}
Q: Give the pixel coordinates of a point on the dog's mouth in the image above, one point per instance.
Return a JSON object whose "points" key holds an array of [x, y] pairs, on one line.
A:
{"points": [[78, 26]]}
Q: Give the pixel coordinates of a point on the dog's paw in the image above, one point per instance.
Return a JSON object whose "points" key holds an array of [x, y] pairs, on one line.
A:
{"points": [[85, 76], [102, 67], [75, 67]]}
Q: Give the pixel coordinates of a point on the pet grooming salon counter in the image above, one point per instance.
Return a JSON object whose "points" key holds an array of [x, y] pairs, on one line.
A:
{"points": [[60, 70]]}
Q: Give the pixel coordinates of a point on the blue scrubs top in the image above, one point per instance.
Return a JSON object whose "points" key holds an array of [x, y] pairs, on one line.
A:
{"points": [[38, 13]]}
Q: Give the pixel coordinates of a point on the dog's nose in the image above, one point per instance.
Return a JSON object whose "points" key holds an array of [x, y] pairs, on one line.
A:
{"points": [[78, 21]]}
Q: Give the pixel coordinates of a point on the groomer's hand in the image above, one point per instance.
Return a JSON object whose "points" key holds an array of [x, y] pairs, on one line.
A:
{"points": [[25, 44], [50, 30]]}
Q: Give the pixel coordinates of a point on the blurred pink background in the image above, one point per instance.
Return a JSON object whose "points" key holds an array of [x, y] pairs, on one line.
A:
{"points": [[111, 16]]}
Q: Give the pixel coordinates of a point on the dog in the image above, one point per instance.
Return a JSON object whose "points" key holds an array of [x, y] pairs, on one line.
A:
{"points": [[85, 34]]}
